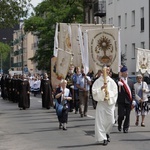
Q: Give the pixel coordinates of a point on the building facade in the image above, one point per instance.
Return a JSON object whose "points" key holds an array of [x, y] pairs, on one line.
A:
{"points": [[133, 19], [24, 48]]}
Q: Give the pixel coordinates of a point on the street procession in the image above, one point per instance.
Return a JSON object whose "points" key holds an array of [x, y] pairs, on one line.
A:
{"points": [[90, 81]]}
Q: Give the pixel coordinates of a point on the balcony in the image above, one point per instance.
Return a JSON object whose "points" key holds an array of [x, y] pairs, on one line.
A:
{"points": [[18, 52], [19, 64], [100, 8]]}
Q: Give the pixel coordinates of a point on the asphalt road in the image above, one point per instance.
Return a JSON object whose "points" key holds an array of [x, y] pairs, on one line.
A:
{"points": [[37, 129]]}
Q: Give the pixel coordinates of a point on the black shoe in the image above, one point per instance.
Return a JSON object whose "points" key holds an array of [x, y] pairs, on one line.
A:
{"points": [[60, 126], [76, 112], [81, 115], [64, 128], [125, 130], [85, 115], [108, 137], [119, 129], [105, 142]]}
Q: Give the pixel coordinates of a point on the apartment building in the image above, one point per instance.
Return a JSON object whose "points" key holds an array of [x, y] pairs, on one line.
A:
{"points": [[134, 21], [24, 48], [132, 16]]}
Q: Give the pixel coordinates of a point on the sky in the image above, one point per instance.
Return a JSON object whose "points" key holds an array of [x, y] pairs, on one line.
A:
{"points": [[35, 2]]}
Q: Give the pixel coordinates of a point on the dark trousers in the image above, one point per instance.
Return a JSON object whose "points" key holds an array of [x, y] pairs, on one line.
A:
{"points": [[83, 97], [124, 115], [76, 100]]}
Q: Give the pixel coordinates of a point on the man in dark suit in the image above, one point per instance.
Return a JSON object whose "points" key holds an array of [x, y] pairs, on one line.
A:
{"points": [[125, 97]]}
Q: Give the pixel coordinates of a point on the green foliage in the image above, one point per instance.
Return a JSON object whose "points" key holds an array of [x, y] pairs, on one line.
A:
{"points": [[4, 50], [12, 10], [43, 22]]}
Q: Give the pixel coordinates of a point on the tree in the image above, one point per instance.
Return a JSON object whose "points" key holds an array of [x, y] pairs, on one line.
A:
{"points": [[4, 50], [42, 23], [4, 54], [12, 11]]}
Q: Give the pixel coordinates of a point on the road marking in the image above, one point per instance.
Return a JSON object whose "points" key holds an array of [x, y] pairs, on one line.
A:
{"points": [[39, 101], [90, 116]]}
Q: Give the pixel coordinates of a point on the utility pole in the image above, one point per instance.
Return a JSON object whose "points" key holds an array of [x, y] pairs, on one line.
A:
{"points": [[22, 51]]}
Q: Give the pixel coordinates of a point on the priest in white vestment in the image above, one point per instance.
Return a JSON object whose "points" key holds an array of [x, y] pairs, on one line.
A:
{"points": [[104, 118]]}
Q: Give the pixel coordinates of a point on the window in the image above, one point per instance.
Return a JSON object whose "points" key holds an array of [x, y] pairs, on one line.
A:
{"points": [[133, 50], [125, 49], [143, 45], [142, 12], [110, 2], [133, 18], [125, 20], [111, 20], [119, 21], [142, 19]]}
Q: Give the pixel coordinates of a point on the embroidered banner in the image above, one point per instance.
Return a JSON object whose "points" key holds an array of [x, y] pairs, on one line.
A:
{"points": [[62, 64], [143, 60], [104, 48], [65, 36], [56, 41], [54, 78], [77, 60], [77, 41]]}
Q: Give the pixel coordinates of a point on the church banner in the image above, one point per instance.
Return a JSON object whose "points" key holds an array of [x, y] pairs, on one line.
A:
{"points": [[77, 60], [65, 37], [78, 38], [62, 64], [104, 48], [143, 60], [56, 41]]}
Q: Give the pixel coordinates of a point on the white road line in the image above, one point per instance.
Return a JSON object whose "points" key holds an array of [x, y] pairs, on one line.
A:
{"points": [[90, 116]]}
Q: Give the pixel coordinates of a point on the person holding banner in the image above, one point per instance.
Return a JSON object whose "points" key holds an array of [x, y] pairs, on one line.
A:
{"points": [[126, 95], [83, 84], [141, 91], [75, 89], [105, 92]]}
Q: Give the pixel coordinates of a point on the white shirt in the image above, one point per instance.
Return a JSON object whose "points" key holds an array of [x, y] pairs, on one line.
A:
{"points": [[66, 93], [137, 87]]}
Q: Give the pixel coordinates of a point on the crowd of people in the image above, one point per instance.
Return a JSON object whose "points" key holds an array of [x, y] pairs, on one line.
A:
{"points": [[122, 93], [17, 88], [72, 94]]}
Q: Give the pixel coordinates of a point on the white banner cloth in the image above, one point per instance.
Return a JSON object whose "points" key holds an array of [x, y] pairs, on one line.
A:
{"points": [[62, 64], [143, 60]]}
